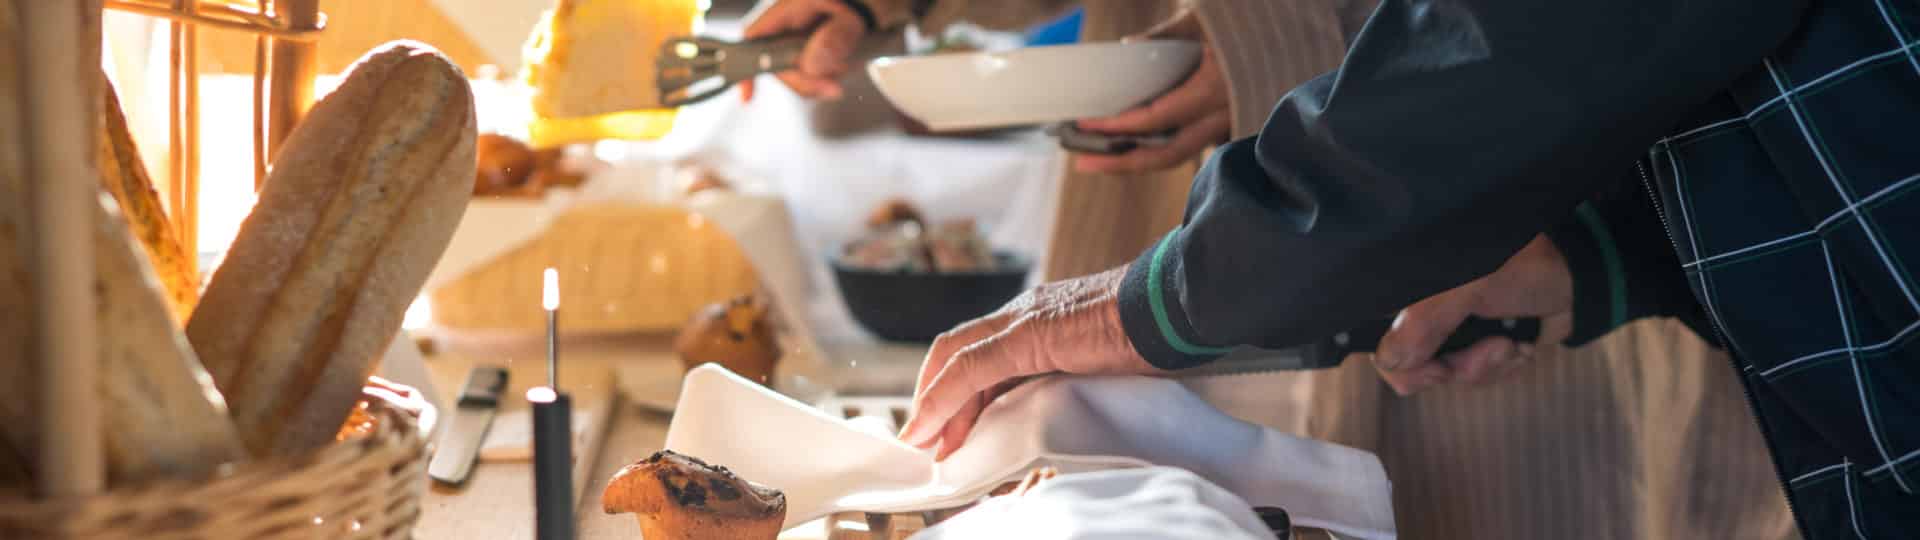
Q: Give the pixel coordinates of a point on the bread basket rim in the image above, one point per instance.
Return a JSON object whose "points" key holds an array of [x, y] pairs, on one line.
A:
{"points": [[398, 426]]}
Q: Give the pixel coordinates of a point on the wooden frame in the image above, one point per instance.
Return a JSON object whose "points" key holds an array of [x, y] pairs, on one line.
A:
{"points": [[62, 100], [287, 28]]}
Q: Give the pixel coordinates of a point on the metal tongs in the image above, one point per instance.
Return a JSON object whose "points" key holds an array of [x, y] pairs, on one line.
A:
{"points": [[694, 68]]}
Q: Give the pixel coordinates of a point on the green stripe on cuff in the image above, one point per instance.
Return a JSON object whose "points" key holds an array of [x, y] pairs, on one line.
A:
{"points": [[1610, 257], [1155, 293]]}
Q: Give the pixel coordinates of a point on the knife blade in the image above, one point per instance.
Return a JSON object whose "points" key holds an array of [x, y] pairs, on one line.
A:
{"points": [[1330, 351], [472, 416]]}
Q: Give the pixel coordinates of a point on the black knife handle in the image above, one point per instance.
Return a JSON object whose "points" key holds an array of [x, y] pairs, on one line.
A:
{"points": [[484, 386], [1366, 337]]}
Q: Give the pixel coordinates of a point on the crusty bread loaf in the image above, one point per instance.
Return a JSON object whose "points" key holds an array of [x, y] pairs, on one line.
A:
{"points": [[161, 412], [362, 200], [125, 176], [163, 416], [160, 409]]}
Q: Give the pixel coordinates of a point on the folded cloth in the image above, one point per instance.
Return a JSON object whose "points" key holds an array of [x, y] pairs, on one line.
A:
{"points": [[1161, 503], [1073, 424]]}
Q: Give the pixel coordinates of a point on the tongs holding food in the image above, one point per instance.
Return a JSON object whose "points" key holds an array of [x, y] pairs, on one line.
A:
{"points": [[693, 69]]}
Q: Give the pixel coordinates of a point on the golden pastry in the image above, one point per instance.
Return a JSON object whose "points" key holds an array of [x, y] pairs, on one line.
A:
{"points": [[734, 334], [679, 497]]}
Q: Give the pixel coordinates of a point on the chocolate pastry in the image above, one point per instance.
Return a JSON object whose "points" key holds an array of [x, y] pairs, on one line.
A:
{"points": [[680, 497], [734, 334]]}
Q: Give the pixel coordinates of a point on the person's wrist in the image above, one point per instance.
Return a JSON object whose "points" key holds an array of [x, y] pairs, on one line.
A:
{"points": [[1113, 327], [1595, 286]]}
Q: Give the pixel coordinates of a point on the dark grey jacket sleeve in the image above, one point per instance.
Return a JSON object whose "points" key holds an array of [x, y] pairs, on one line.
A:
{"points": [[1452, 133]]}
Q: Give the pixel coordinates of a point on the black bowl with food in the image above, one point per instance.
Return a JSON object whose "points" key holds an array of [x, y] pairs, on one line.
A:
{"points": [[916, 306]]}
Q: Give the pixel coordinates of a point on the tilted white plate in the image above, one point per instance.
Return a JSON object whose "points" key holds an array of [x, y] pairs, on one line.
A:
{"points": [[1035, 85]]}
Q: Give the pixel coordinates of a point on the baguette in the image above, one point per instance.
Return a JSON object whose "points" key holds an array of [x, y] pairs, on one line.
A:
{"points": [[362, 200], [123, 175]]}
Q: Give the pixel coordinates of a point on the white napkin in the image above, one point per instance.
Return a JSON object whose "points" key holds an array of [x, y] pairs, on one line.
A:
{"points": [[1161, 503], [1074, 424], [403, 363]]}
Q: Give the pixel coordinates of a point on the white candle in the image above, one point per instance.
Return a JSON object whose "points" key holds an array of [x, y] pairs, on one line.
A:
{"points": [[550, 290]]}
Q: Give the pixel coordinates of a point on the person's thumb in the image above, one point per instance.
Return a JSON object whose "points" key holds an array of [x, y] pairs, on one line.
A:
{"points": [[830, 48], [1419, 331]]}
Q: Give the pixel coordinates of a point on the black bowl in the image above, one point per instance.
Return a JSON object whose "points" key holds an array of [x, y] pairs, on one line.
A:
{"points": [[917, 307]]}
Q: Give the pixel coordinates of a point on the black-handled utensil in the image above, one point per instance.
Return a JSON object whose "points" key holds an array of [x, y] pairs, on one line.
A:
{"points": [[1075, 139], [1331, 350], [1367, 337]]}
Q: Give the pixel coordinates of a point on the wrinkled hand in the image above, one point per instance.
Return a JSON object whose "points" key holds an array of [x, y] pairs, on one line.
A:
{"points": [[1070, 326], [1534, 282], [836, 32], [1196, 110]]}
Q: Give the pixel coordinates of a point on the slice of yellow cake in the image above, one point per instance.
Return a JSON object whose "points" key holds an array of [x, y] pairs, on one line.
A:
{"points": [[595, 57]]}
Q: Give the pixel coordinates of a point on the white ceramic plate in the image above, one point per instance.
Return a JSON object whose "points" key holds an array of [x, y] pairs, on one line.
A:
{"points": [[1036, 85]]}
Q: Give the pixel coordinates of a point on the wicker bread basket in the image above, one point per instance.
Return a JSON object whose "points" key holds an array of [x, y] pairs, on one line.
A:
{"points": [[639, 267], [367, 486]]}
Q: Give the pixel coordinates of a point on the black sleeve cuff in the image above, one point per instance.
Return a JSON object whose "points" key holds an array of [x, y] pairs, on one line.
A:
{"points": [[1599, 299], [1152, 314], [1622, 264]]}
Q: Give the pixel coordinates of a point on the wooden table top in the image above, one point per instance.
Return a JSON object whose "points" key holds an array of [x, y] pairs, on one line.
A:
{"points": [[497, 501]]}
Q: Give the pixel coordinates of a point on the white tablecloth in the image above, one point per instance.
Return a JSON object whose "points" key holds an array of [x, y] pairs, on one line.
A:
{"points": [[1009, 185]]}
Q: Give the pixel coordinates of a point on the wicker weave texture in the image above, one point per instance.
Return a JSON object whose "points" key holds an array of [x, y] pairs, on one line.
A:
{"points": [[362, 488], [623, 267]]}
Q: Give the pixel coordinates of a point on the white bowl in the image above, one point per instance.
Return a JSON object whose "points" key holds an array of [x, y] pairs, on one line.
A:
{"points": [[1035, 85]]}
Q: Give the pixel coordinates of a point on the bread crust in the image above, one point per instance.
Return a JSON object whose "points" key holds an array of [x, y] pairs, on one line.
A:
{"points": [[362, 200], [125, 176]]}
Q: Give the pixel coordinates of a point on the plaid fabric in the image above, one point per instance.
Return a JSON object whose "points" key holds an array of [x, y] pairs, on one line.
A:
{"points": [[1793, 210]]}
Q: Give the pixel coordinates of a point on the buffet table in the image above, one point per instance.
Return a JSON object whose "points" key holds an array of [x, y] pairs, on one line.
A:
{"points": [[497, 501]]}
